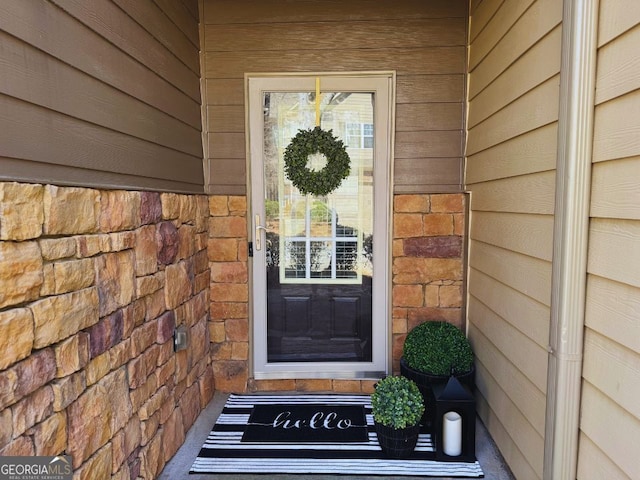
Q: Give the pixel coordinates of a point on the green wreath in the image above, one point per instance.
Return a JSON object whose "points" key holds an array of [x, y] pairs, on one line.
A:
{"points": [[316, 182]]}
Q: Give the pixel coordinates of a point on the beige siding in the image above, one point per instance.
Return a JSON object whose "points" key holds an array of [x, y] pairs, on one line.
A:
{"points": [[514, 74], [610, 419], [100, 93], [424, 42]]}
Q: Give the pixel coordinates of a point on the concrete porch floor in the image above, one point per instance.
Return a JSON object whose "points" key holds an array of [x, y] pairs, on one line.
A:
{"points": [[178, 467]]}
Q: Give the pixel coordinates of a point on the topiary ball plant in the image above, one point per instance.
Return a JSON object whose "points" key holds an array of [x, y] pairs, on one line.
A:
{"points": [[397, 402], [438, 348]]}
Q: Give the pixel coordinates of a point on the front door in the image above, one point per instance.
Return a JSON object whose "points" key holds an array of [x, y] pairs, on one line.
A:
{"points": [[320, 269]]}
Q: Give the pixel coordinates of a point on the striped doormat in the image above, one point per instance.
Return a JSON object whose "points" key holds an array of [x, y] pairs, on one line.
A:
{"points": [[225, 451]]}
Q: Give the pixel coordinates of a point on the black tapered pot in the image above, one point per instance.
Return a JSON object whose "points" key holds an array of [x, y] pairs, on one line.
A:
{"points": [[397, 442], [426, 382]]}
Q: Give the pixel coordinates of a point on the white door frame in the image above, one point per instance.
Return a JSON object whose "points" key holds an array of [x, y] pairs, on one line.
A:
{"points": [[382, 84]]}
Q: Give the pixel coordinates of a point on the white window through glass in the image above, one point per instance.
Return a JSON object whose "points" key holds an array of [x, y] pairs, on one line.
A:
{"points": [[359, 135]]}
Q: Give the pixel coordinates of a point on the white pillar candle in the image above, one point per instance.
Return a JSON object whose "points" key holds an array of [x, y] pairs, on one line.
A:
{"points": [[452, 434]]}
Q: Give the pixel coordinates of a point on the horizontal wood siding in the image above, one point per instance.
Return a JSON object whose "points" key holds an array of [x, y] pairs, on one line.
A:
{"points": [[424, 42], [610, 418], [101, 93], [514, 75]]}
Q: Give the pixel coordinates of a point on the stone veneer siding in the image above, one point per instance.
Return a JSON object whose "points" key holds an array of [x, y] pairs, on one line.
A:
{"points": [[92, 285], [428, 263], [427, 284]]}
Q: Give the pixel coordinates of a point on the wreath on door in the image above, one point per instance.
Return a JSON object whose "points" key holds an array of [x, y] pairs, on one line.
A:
{"points": [[310, 181]]}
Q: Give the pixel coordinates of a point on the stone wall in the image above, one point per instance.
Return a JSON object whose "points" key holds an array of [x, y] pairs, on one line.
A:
{"points": [[428, 263], [427, 280], [92, 285], [229, 324]]}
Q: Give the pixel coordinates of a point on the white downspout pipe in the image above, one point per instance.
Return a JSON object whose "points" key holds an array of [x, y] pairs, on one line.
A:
{"points": [[571, 228]]}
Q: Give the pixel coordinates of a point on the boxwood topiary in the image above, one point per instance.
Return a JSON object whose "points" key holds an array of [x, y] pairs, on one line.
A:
{"points": [[397, 402], [316, 182], [438, 348]]}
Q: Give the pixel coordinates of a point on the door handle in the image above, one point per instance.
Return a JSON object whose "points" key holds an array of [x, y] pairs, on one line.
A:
{"points": [[258, 237]]}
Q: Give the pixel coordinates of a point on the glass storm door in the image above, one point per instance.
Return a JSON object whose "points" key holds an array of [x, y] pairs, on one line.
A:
{"points": [[320, 263]]}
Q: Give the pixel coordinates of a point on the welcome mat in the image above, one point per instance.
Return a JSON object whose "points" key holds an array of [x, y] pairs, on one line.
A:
{"points": [[224, 450], [316, 423]]}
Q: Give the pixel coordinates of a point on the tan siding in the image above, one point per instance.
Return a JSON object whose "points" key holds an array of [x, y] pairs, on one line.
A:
{"points": [[225, 91], [482, 13], [533, 194], [191, 6], [111, 22], [510, 172], [529, 276], [226, 118], [613, 247], [21, 171], [425, 43], [518, 389], [527, 356], [535, 109], [612, 310], [610, 412], [511, 152], [227, 145], [33, 23], [91, 86], [618, 67], [261, 11], [532, 317], [534, 151], [497, 28], [428, 116], [428, 143], [617, 128], [515, 458], [616, 190], [311, 36], [437, 60], [182, 16], [162, 26], [528, 234], [613, 429], [505, 415], [542, 17], [411, 175], [532, 69], [595, 465], [96, 103], [80, 144], [227, 174], [429, 88], [602, 356], [616, 17]]}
